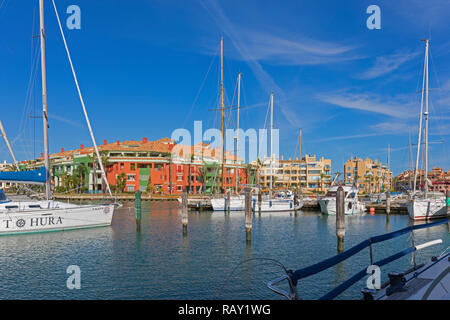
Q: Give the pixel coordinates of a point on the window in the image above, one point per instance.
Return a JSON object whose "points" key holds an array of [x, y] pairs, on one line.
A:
{"points": [[131, 177], [130, 188], [132, 166], [179, 188]]}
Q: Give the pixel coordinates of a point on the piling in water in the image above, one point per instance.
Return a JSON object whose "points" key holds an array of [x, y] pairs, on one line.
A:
{"points": [[259, 202], [248, 215], [295, 203], [388, 202], [138, 210], [447, 201], [340, 218], [184, 212]]}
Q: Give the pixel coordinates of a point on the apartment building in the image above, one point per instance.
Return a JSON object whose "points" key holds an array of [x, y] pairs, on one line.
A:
{"points": [[371, 176], [439, 178], [5, 166], [154, 166], [311, 174]]}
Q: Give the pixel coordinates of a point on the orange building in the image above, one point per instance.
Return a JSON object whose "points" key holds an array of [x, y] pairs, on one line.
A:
{"points": [[149, 166]]}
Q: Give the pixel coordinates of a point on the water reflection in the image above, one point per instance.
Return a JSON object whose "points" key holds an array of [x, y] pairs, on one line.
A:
{"points": [[159, 263]]}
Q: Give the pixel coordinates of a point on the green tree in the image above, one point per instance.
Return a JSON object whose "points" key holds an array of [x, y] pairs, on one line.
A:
{"points": [[120, 182]]}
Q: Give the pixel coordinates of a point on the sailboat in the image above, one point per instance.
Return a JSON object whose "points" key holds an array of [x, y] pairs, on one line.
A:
{"points": [[20, 217], [280, 201], [425, 205]]}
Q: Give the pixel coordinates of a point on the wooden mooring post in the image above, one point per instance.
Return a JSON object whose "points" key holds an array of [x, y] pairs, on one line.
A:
{"points": [[388, 202], [138, 210], [227, 206], [340, 218], [248, 215], [295, 203], [259, 202], [184, 212]]}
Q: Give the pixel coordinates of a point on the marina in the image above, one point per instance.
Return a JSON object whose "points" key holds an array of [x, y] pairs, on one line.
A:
{"points": [[120, 263], [239, 159]]}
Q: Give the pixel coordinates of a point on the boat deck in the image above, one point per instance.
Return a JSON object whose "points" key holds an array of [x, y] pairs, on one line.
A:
{"points": [[430, 282]]}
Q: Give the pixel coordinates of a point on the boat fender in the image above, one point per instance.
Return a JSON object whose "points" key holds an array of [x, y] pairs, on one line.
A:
{"points": [[349, 205]]}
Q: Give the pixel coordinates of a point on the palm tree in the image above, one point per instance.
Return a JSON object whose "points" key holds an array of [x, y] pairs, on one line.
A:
{"points": [[259, 165], [202, 176], [94, 172], [189, 175], [322, 175], [105, 162], [120, 182]]}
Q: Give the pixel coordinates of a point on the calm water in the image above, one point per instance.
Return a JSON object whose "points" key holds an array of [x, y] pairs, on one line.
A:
{"points": [[159, 263]]}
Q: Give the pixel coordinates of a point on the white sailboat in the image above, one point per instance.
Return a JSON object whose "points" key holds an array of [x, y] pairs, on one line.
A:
{"points": [[282, 201], [425, 205], [352, 204], [19, 217]]}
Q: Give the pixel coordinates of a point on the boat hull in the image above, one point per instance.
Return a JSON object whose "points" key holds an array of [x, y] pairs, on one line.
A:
{"points": [[276, 205], [236, 204], [55, 219], [328, 207], [426, 209]]}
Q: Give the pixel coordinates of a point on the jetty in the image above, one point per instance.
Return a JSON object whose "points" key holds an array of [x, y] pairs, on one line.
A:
{"points": [[203, 202]]}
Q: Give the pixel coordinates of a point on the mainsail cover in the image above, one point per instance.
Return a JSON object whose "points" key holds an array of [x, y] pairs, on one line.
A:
{"points": [[32, 176]]}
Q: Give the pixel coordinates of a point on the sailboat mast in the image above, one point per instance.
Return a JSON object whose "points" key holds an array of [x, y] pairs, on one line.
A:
{"points": [[300, 143], [420, 121], [271, 135], [3, 133], [426, 119], [221, 111], [410, 158], [237, 127], [44, 100]]}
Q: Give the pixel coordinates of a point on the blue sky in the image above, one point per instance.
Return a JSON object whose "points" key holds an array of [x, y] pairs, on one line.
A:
{"points": [[143, 70]]}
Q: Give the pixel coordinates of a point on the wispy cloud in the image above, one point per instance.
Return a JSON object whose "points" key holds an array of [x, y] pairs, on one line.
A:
{"points": [[265, 80], [388, 63], [255, 47], [65, 120], [277, 50], [397, 107], [348, 137]]}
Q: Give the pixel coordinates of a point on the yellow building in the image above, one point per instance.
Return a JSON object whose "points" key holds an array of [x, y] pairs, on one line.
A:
{"points": [[370, 176], [311, 174]]}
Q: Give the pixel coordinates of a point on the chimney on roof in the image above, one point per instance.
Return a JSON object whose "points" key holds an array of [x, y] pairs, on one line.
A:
{"points": [[118, 142], [144, 140], [104, 142], [62, 149], [81, 146], [42, 155]]}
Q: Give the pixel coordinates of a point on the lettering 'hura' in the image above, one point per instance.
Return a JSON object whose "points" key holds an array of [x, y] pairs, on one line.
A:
{"points": [[33, 222], [43, 221]]}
